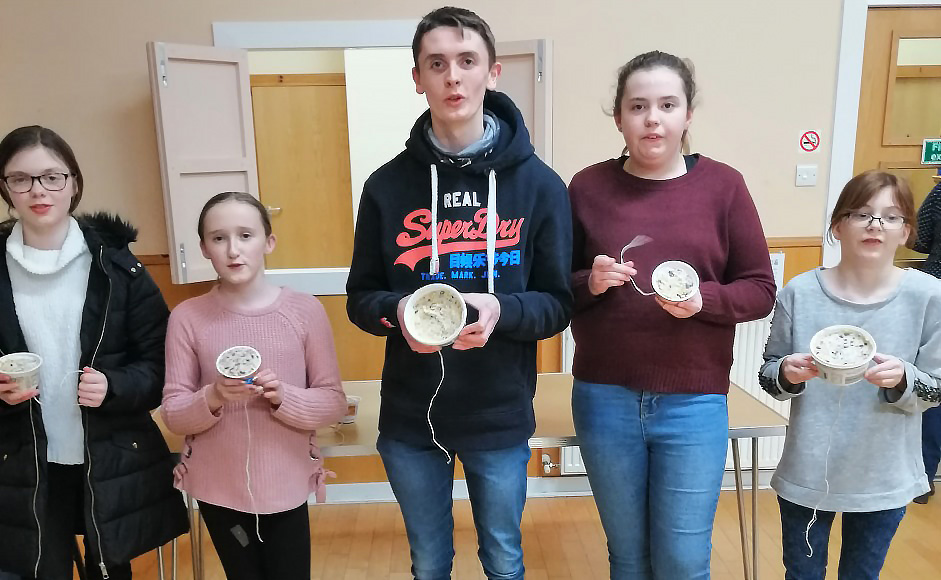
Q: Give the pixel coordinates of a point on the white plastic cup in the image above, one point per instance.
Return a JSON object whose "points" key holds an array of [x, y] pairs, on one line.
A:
{"points": [[23, 368], [663, 271], [238, 362], [846, 372], [417, 316], [352, 409]]}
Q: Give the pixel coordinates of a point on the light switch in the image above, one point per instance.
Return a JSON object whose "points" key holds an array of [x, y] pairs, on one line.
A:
{"points": [[806, 176]]}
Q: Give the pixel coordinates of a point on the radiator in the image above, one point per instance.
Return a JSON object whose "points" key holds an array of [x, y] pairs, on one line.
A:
{"points": [[750, 339]]}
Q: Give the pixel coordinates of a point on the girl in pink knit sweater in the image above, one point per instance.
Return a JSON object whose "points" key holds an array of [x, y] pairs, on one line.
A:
{"points": [[251, 457]]}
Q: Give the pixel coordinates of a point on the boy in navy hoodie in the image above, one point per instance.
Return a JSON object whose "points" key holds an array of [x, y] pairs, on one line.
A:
{"points": [[468, 204]]}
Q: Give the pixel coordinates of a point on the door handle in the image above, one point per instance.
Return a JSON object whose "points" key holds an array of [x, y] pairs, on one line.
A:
{"points": [[273, 210]]}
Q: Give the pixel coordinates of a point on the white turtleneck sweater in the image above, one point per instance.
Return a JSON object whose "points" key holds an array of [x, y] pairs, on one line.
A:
{"points": [[49, 294]]}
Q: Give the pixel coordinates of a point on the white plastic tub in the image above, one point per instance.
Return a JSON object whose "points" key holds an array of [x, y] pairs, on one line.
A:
{"points": [[842, 353], [23, 368], [435, 314]]}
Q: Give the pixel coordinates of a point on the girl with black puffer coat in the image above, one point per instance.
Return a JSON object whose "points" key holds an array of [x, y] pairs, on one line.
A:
{"points": [[79, 451]]}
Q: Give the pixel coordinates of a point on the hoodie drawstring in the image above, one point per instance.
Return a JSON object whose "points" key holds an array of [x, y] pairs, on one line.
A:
{"points": [[491, 227], [434, 266]]}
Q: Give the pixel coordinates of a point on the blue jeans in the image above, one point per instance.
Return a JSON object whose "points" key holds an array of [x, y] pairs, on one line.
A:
{"points": [[422, 481], [931, 440], [655, 463], [866, 539]]}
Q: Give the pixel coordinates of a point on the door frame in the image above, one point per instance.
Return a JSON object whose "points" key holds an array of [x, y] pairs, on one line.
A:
{"points": [[340, 35], [846, 110], [319, 34]]}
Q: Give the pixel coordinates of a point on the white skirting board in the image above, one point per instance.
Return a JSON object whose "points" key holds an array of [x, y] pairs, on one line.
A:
{"points": [[382, 491], [569, 486]]}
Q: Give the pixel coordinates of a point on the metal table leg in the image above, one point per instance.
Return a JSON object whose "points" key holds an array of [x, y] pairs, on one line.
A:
{"points": [[739, 495], [754, 507], [196, 547], [161, 574], [199, 542]]}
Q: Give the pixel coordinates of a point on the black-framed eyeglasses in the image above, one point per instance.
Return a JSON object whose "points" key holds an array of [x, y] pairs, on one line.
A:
{"points": [[864, 220], [24, 183]]}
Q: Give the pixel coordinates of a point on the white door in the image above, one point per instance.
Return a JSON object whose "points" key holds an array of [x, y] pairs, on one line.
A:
{"points": [[526, 80], [202, 106], [205, 138]]}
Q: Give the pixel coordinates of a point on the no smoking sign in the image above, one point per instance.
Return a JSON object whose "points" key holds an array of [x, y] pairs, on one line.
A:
{"points": [[810, 140]]}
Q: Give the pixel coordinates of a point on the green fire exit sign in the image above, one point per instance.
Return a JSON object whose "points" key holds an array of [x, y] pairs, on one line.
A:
{"points": [[931, 152]]}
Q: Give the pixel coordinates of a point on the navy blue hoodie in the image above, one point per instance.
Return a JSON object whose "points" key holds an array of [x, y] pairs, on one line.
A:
{"points": [[485, 401]]}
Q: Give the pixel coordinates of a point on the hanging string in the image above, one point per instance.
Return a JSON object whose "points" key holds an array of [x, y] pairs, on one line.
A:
{"points": [[61, 381], [826, 473], [248, 474], [338, 431], [432, 402]]}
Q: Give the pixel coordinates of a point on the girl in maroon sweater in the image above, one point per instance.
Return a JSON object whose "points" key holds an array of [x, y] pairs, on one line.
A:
{"points": [[651, 376]]}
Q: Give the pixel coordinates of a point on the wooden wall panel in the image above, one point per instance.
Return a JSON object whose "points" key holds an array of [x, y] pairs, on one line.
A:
{"points": [[800, 254], [360, 354], [158, 266]]}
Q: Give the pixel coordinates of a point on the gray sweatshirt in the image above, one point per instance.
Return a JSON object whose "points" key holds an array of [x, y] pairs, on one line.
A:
{"points": [[875, 460]]}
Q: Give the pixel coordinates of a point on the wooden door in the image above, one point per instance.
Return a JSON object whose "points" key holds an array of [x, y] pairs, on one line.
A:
{"points": [[524, 80], [899, 97], [302, 145]]}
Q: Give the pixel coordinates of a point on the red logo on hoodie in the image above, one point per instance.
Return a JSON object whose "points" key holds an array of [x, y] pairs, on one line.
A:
{"points": [[453, 236]]}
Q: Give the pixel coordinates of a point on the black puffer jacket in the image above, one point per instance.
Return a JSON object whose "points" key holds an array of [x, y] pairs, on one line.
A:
{"points": [[130, 504]]}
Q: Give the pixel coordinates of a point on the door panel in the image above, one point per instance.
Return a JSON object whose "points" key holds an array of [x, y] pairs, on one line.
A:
{"points": [[901, 86], [202, 112], [304, 168]]}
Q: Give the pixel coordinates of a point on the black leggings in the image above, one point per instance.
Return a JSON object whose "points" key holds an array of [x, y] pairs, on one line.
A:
{"points": [[65, 518], [283, 555]]}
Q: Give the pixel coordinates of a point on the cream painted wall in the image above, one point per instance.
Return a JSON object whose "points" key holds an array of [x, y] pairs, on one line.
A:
{"points": [[294, 62], [766, 72]]}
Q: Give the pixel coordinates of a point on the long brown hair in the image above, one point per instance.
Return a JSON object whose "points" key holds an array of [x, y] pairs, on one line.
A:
{"points": [[651, 60], [861, 189], [35, 136]]}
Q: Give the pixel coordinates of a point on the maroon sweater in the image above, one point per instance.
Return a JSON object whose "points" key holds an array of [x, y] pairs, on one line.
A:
{"points": [[705, 218]]}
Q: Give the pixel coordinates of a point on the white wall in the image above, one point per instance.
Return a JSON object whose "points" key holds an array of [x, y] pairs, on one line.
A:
{"points": [[378, 80]]}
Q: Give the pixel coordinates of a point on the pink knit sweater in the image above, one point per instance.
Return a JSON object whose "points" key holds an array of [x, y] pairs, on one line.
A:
{"points": [[279, 445]]}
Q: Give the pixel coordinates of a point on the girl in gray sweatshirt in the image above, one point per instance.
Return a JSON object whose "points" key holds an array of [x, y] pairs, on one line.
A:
{"points": [[855, 449]]}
